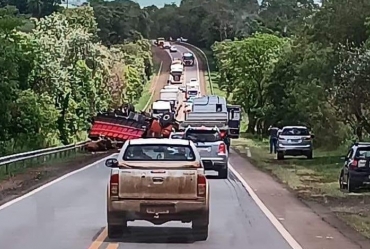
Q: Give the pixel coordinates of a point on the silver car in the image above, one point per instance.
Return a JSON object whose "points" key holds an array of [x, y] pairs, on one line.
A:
{"points": [[211, 147], [294, 141]]}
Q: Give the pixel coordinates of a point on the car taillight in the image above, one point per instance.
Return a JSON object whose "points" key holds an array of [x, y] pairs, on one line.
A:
{"points": [[114, 180], [202, 185], [354, 164], [222, 149]]}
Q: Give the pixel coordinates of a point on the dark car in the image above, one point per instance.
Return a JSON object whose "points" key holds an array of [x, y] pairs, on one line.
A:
{"points": [[356, 168]]}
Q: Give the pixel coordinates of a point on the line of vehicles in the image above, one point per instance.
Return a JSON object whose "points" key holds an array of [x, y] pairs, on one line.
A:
{"points": [[159, 173]]}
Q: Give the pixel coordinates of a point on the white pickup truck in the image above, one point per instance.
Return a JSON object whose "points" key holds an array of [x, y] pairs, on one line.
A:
{"points": [[157, 180]]}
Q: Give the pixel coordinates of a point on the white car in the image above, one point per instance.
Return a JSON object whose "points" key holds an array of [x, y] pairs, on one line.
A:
{"points": [[173, 49]]}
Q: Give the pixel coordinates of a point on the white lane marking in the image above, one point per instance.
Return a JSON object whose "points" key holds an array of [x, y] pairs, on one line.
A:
{"points": [[275, 222], [53, 182]]}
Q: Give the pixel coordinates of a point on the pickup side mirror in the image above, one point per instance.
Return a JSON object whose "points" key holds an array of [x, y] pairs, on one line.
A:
{"points": [[111, 163], [312, 136]]}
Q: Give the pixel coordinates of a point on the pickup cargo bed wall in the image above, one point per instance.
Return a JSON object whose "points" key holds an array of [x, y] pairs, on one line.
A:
{"points": [[207, 116]]}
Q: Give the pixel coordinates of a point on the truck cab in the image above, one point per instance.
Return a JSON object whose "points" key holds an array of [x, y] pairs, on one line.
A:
{"points": [[160, 42], [160, 107], [188, 59], [234, 120], [170, 95]]}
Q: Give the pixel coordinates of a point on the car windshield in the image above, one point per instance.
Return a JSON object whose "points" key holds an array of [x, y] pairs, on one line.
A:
{"points": [[363, 153], [188, 57], [193, 92], [160, 111], [176, 136], [159, 152], [203, 135], [295, 132]]}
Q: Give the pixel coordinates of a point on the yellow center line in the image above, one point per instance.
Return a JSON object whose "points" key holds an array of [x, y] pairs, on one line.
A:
{"points": [[112, 246], [99, 240]]}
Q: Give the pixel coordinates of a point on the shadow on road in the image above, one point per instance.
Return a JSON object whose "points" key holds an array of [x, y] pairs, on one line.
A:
{"points": [[141, 234]]}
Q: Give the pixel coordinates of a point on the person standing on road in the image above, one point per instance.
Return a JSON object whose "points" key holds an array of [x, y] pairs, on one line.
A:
{"points": [[273, 131]]}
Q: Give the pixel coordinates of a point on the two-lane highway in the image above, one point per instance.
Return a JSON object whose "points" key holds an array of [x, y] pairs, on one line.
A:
{"points": [[71, 213]]}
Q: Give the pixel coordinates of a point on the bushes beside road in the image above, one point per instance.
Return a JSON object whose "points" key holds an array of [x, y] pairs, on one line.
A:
{"points": [[56, 76]]}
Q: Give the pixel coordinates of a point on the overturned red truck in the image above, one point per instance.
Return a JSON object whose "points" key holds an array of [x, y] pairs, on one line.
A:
{"points": [[112, 128]]}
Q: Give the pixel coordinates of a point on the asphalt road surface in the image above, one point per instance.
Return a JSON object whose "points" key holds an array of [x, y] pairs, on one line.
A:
{"points": [[71, 214], [189, 72]]}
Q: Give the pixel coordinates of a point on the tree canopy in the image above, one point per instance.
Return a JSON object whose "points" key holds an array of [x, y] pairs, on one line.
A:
{"points": [[284, 61], [57, 75]]}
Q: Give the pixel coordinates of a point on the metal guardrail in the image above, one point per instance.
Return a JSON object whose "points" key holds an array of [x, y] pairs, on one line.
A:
{"points": [[9, 163], [205, 59]]}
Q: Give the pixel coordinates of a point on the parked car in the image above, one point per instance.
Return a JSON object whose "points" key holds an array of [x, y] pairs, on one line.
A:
{"points": [[294, 141], [355, 172]]}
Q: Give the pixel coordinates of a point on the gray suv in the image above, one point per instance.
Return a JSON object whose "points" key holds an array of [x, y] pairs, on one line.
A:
{"points": [[294, 141], [211, 147]]}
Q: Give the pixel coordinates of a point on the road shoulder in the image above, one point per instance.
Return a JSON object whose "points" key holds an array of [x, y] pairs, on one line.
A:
{"points": [[308, 228]]}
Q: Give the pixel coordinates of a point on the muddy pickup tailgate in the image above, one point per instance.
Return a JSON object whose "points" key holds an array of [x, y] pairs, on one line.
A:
{"points": [[158, 184]]}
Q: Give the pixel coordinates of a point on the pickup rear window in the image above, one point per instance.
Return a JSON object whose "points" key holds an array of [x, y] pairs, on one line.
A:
{"points": [[295, 132], [363, 153], [203, 135], [159, 152], [160, 111]]}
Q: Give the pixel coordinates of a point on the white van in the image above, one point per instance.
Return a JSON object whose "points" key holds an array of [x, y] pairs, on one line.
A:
{"points": [[177, 68]]}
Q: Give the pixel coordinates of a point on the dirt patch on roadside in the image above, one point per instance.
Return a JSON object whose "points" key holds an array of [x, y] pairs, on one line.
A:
{"points": [[339, 212], [160, 56], [37, 176]]}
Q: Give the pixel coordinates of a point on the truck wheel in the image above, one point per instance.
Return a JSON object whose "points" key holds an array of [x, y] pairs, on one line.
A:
{"points": [[309, 155], [223, 173], [115, 231], [342, 184], [200, 227], [280, 156], [351, 187]]}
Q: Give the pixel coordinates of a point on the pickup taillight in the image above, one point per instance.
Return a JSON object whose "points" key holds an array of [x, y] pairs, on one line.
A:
{"points": [[114, 180], [222, 149], [202, 185]]}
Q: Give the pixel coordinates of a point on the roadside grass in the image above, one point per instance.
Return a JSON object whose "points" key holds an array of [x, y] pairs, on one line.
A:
{"points": [[315, 179], [145, 97], [12, 169]]}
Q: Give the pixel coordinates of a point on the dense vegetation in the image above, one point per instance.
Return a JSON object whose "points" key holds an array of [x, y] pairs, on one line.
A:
{"points": [[285, 61], [56, 76]]}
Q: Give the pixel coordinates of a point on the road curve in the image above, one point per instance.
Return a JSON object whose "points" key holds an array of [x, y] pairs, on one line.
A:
{"points": [[71, 213]]}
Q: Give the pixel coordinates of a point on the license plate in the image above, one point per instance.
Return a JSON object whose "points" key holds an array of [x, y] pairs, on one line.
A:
{"points": [[204, 149], [158, 210]]}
